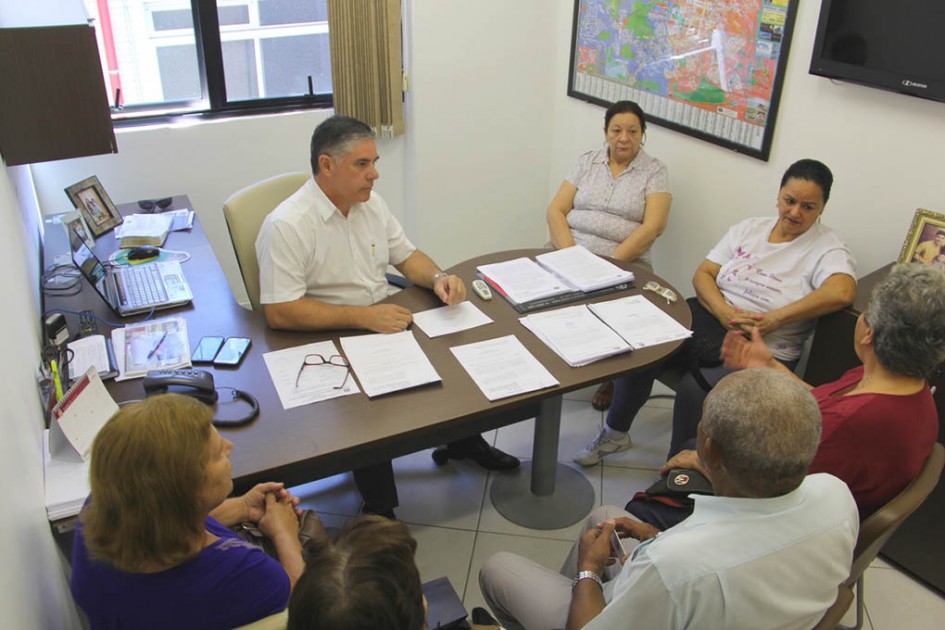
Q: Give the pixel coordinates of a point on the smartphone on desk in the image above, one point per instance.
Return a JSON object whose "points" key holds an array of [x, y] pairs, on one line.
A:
{"points": [[206, 350], [232, 352]]}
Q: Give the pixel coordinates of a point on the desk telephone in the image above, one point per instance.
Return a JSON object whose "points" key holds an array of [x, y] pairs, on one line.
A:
{"points": [[196, 383]]}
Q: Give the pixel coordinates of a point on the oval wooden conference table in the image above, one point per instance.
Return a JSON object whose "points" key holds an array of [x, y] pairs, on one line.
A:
{"points": [[542, 493], [318, 440]]}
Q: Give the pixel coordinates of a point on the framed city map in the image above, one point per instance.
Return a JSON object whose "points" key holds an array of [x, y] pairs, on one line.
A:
{"points": [[711, 69]]}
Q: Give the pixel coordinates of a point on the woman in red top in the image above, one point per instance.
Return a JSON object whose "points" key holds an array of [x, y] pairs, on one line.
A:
{"points": [[879, 419]]}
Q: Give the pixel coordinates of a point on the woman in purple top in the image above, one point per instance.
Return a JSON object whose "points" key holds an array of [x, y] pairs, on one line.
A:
{"points": [[153, 548], [615, 201]]}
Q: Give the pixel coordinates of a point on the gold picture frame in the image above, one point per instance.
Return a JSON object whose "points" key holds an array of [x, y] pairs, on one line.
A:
{"points": [[926, 234], [95, 206]]}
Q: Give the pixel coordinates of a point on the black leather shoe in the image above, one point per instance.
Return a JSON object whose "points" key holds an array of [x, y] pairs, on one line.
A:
{"points": [[481, 452], [388, 513], [481, 617]]}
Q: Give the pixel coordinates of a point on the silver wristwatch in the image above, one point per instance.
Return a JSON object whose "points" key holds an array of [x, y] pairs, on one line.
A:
{"points": [[587, 575]]}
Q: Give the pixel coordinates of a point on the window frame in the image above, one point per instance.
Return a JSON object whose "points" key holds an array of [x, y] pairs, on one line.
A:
{"points": [[209, 49]]}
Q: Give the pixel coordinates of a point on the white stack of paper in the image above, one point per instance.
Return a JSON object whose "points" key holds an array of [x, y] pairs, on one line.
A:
{"points": [[523, 280], [583, 269], [318, 380], [639, 321], [576, 334], [503, 367], [388, 363], [67, 483]]}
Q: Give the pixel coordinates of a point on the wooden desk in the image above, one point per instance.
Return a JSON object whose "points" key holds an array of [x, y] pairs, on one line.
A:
{"points": [[314, 441], [919, 544]]}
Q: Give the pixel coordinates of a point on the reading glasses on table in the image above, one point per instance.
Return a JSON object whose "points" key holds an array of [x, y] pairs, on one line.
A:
{"points": [[316, 359]]}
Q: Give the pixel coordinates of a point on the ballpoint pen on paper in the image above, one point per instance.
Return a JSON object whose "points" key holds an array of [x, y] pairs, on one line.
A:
{"points": [[157, 345]]}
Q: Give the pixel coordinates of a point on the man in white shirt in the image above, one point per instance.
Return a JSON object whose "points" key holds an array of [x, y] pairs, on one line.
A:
{"points": [[322, 257], [769, 549]]}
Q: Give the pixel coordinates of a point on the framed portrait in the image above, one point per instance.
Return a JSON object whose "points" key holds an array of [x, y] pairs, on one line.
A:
{"points": [[925, 242], [74, 222], [95, 206]]}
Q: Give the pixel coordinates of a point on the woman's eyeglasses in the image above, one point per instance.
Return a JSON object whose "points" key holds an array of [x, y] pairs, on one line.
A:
{"points": [[335, 360]]}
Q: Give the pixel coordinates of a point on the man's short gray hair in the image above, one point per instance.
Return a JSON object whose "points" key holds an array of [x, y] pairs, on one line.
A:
{"points": [[907, 314], [336, 136], [766, 427]]}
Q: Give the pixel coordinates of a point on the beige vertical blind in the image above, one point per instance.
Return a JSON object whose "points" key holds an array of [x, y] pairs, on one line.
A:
{"points": [[366, 62]]}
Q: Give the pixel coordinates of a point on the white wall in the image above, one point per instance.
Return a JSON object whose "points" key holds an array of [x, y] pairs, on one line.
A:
{"points": [[886, 151], [33, 588]]}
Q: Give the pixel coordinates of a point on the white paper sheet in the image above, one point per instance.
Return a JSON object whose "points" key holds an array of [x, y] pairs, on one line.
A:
{"points": [[503, 367], [449, 319], [523, 280], [639, 321], [315, 383], [388, 363], [576, 334]]}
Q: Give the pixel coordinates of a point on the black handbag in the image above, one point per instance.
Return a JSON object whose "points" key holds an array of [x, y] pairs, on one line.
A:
{"points": [[667, 502]]}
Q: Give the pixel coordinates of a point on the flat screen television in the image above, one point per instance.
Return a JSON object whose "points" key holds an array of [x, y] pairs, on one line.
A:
{"points": [[893, 45]]}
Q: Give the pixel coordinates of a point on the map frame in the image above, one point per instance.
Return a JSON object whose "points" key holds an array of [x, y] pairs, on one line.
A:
{"points": [[726, 126]]}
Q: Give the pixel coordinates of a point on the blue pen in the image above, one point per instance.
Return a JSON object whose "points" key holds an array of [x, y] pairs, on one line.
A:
{"points": [[157, 345]]}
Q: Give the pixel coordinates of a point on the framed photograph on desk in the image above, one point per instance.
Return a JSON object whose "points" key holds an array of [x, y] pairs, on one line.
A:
{"points": [[925, 242], [96, 207]]}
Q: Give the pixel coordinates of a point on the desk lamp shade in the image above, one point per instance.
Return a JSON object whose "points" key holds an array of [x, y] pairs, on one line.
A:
{"points": [[53, 103]]}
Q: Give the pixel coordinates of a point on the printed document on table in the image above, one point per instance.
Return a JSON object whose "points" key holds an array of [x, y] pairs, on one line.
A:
{"points": [[583, 269], [523, 280], [388, 363], [576, 334], [503, 367], [639, 321], [449, 319], [316, 381]]}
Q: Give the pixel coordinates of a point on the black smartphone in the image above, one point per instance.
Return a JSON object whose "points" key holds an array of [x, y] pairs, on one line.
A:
{"points": [[233, 351], [206, 349]]}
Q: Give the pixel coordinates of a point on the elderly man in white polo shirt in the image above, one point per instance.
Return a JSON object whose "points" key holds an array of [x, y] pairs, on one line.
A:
{"points": [[323, 254], [767, 551]]}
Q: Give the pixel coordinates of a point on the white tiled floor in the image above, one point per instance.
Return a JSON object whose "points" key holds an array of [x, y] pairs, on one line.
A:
{"points": [[450, 514]]}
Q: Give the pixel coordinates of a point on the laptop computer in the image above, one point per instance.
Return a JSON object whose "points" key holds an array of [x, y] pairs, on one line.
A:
{"points": [[132, 290]]}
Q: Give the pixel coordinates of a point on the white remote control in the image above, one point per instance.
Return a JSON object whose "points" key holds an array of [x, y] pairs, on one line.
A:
{"points": [[482, 289]]}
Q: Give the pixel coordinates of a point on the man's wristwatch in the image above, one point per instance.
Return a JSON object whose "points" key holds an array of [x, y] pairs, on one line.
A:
{"points": [[587, 575], [438, 275]]}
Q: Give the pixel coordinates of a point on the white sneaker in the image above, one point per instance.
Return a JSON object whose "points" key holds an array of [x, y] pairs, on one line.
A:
{"points": [[602, 445]]}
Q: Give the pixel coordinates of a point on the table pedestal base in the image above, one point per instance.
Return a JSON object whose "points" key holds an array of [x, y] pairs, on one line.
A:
{"points": [[571, 501], [543, 494]]}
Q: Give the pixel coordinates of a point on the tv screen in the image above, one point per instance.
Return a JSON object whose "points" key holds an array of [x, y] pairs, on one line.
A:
{"points": [[894, 45]]}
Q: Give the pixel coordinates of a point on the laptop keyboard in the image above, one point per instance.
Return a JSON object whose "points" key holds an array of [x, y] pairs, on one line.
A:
{"points": [[140, 286]]}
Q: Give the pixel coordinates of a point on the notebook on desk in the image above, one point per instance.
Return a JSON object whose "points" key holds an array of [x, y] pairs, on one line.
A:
{"points": [[132, 290]]}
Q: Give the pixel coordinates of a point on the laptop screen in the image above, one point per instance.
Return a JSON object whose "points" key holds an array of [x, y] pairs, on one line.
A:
{"points": [[87, 263]]}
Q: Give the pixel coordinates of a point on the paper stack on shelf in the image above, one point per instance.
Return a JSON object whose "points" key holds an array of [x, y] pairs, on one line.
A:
{"points": [[583, 269], [67, 483]]}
